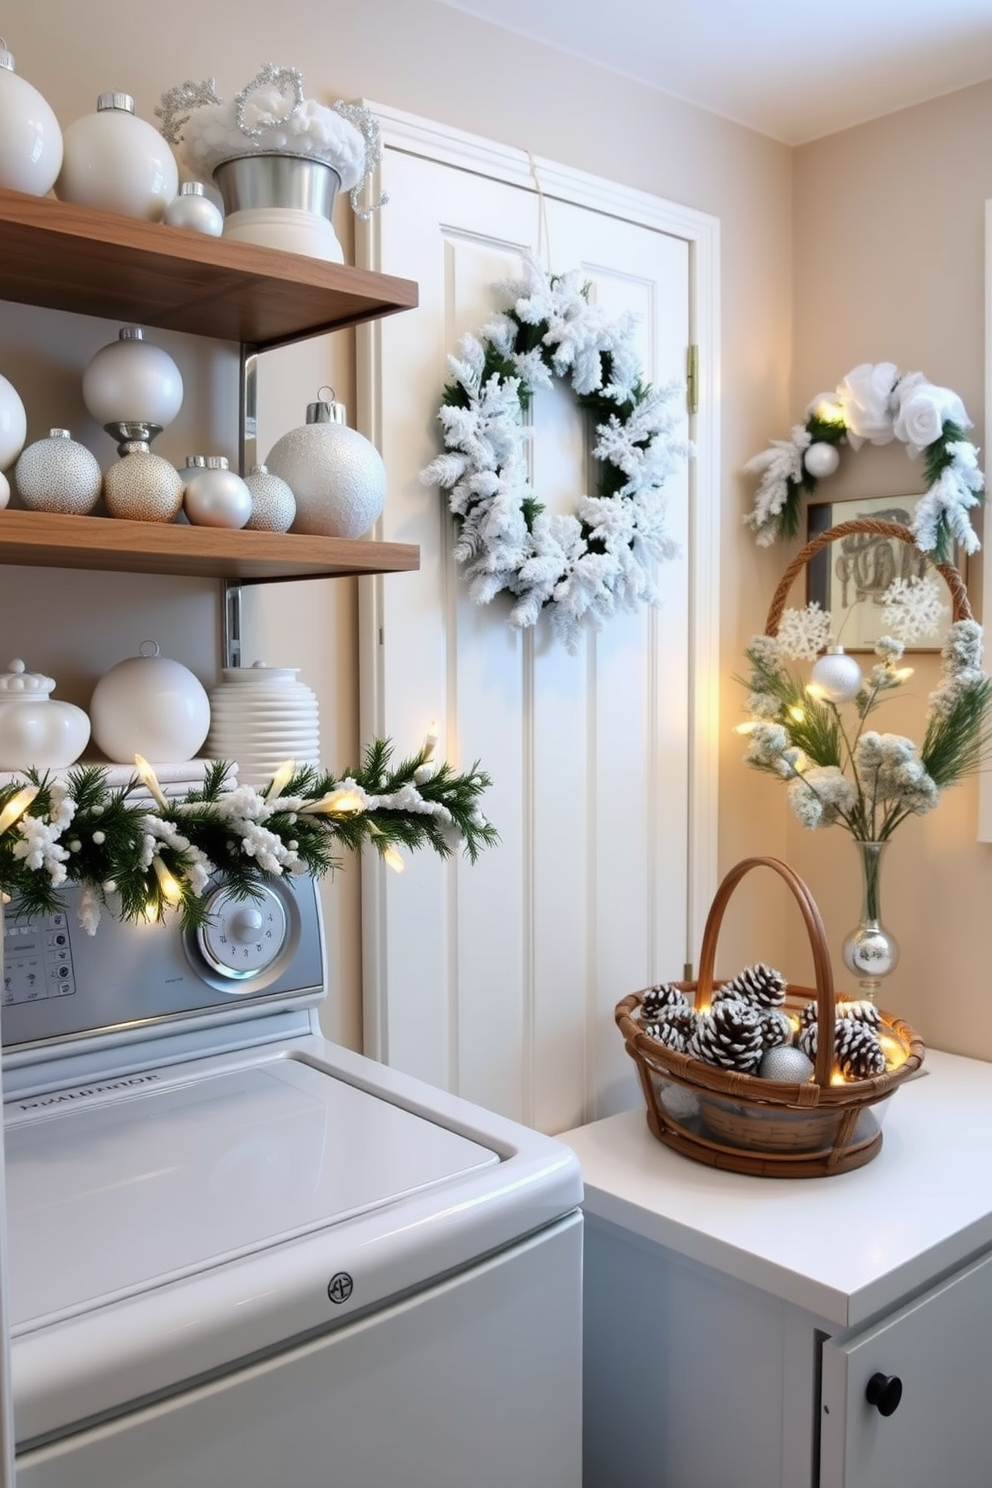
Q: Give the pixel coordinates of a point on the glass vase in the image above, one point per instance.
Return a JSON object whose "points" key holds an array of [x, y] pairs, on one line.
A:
{"points": [[870, 951]]}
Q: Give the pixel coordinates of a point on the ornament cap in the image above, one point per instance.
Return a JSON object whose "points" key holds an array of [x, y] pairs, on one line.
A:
{"points": [[113, 100], [326, 411], [7, 60], [134, 447], [217, 462], [130, 333], [59, 434], [195, 461], [192, 188]]}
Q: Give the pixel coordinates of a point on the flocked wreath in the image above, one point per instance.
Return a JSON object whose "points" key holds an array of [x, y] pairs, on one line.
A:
{"points": [[876, 403], [578, 568]]}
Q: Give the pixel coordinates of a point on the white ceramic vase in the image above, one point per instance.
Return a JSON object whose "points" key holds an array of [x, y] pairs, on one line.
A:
{"points": [[261, 716]]}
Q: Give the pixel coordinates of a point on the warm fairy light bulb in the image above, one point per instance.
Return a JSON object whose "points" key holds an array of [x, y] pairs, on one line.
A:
{"points": [[746, 728], [894, 1051], [148, 778], [903, 674], [392, 857], [430, 742], [341, 802], [281, 779], [170, 888], [828, 412], [151, 912], [815, 691], [16, 807], [837, 1078], [797, 714]]}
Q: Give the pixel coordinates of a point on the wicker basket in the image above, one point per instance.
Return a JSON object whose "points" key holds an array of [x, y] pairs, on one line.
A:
{"points": [[769, 1128]]}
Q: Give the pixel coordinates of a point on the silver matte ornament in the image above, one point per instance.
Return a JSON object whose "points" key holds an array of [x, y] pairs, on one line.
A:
{"points": [[58, 474], [788, 1064], [193, 210], [336, 475], [216, 497]]}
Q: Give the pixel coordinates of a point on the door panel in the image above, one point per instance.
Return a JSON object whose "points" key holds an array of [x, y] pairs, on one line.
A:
{"points": [[498, 981]]}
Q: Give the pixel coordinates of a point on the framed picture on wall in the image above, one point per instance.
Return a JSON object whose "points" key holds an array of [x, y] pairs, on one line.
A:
{"points": [[849, 578]]}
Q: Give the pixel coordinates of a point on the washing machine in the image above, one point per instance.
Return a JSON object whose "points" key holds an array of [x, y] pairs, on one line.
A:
{"points": [[240, 1256]]}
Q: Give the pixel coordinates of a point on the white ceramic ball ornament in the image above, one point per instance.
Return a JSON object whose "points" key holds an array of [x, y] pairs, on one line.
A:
{"points": [[215, 496], [336, 476], [821, 459], [132, 387], [837, 676], [152, 706], [30, 136], [193, 210], [114, 160], [13, 424], [273, 505], [58, 474]]}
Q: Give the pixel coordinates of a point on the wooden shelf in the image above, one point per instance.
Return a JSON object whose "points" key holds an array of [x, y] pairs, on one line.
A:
{"points": [[43, 539], [99, 263]]}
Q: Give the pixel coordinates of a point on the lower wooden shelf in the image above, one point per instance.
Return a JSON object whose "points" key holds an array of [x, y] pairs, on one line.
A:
{"points": [[47, 540]]}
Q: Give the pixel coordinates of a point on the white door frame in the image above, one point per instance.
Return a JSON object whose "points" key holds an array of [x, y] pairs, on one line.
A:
{"points": [[422, 137]]}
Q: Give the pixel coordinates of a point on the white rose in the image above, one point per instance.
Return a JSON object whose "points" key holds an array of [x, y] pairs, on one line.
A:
{"points": [[866, 398], [922, 410]]}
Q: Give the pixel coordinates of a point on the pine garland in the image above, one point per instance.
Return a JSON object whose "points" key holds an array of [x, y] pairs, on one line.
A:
{"points": [[139, 860]]}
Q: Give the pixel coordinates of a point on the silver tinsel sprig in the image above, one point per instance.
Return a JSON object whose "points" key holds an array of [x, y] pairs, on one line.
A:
{"points": [[283, 78], [368, 127], [178, 103]]}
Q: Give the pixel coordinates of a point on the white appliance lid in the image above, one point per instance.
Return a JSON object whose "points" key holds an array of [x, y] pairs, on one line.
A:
{"points": [[106, 1197]]}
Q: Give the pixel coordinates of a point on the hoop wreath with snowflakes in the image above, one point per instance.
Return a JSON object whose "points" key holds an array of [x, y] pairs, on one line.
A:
{"points": [[578, 568], [876, 403]]}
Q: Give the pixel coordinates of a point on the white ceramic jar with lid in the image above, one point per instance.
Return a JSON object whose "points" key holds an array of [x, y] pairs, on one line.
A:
{"points": [[114, 160], [152, 706], [35, 729]]}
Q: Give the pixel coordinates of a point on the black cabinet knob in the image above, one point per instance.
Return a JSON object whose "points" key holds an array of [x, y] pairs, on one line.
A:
{"points": [[884, 1392]]}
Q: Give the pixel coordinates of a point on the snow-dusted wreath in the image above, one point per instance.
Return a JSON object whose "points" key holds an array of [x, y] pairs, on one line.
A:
{"points": [[580, 568], [875, 402]]}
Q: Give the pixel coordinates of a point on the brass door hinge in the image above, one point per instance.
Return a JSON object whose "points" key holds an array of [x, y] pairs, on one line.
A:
{"points": [[692, 379]]}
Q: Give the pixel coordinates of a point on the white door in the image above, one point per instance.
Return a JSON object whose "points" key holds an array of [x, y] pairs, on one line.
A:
{"points": [[498, 981]]}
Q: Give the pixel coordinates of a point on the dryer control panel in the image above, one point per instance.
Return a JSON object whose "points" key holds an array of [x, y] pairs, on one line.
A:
{"points": [[59, 981]]}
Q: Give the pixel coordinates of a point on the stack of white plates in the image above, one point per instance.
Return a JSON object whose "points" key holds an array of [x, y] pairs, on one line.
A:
{"points": [[260, 717]]}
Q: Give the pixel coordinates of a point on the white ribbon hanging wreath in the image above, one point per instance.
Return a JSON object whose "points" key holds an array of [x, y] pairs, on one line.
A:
{"points": [[875, 402], [579, 568]]}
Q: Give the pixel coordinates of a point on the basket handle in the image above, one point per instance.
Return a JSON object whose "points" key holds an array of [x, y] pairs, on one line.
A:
{"points": [[959, 595], [823, 1067]]}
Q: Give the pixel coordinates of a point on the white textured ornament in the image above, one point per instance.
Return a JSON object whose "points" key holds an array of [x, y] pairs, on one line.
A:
{"points": [[13, 423], [149, 705], [837, 676], [273, 505], [114, 160], [30, 137], [821, 459], [787, 1063], [193, 210], [142, 487], [35, 729], [215, 496], [58, 474], [336, 475]]}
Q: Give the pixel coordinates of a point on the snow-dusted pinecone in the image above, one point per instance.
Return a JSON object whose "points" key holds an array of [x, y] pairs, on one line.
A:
{"points": [[729, 1035], [674, 1027], [776, 1029], [860, 1010], [760, 984], [859, 1052], [808, 1015], [656, 999]]}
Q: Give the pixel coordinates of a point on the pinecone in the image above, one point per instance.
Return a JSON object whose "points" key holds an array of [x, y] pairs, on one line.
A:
{"points": [[729, 1035], [657, 999], [859, 1053], [807, 1039], [776, 1029], [759, 984], [673, 1028], [808, 1015], [860, 1010]]}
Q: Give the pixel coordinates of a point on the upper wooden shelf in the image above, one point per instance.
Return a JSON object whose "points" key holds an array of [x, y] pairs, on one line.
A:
{"points": [[43, 539], [99, 263]]}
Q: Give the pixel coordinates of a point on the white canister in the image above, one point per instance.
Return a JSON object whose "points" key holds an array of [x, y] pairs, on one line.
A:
{"points": [[35, 730], [260, 717], [152, 706]]}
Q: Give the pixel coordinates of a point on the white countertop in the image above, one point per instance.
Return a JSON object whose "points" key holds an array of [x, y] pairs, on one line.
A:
{"points": [[845, 1247]]}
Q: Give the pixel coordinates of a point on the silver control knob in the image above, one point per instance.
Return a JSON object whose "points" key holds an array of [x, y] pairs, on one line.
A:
{"points": [[242, 936]]}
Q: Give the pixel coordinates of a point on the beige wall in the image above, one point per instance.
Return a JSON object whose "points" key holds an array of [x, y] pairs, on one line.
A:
{"points": [[427, 59], [889, 244]]}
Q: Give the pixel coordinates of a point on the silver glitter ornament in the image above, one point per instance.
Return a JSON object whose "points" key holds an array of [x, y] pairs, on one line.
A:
{"points": [[58, 474], [788, 1064]]}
